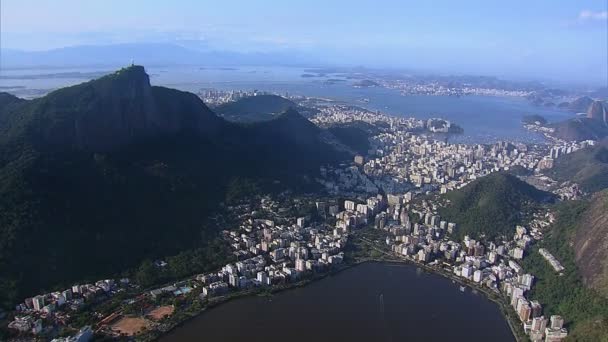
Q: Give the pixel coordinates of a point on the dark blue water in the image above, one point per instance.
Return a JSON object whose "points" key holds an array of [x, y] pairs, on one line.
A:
{"points": [[371, 302]]}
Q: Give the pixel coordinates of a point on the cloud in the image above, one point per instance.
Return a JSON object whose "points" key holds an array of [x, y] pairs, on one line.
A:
{"points": [[585, 15]]}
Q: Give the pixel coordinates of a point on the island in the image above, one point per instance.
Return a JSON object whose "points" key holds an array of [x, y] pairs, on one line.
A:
{"points": [[437, 125], [534, 119], [365, 84]]}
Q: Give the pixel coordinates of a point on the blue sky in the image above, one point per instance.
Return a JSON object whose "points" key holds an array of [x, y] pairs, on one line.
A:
{"points": [[556, 39]]}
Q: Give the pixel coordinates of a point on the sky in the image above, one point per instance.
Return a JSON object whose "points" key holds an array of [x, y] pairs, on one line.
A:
{"points": [[553, 39]]}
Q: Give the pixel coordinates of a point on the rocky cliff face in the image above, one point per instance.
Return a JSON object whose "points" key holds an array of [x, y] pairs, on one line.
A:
{"points": [[591, 244], [580, 105], [597, 111], [112, 111], [580, 129]]}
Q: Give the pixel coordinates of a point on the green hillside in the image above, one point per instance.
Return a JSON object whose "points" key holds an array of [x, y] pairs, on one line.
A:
{"points": [[584, 309], [588, 167], [492, 205], [354, 135], [97, 177]]}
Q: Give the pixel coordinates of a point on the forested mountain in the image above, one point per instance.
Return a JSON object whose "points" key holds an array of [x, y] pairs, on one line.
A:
{"points": [[355, 135], [96, 177], [491, 205], [579, 293]]}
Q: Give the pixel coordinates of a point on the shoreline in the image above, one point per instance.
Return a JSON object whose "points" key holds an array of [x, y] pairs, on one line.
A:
{"points": [[494, 297], [156, 335], [518, 334]]}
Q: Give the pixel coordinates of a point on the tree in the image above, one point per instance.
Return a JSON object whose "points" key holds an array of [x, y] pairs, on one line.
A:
{"points": [[147, 274]]}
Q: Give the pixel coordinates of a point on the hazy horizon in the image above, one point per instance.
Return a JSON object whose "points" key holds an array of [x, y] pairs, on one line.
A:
{"points": [[563, 42]]}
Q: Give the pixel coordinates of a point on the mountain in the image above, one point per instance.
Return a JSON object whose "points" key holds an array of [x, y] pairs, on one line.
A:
{"points": [[580, 105], [7, 99], [97, 177], [590, 243], [492, 205], [355, 135], [588, 167], [289, 140], [592, 127], [254, 108], [143, 53], [580, 128], [597, 111], [111, 111], [577, 239]]}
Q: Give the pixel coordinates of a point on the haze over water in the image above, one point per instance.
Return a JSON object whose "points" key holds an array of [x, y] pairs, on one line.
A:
{"points": [[485, 119]]}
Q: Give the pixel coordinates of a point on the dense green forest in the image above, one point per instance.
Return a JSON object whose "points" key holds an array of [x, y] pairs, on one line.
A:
{"points": [[585, 311], [355, 135], [492, 205], [98, 177]]}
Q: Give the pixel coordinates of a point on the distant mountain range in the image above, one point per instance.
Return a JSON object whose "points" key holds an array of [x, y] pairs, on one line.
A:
{"points": [[152, 54], [98, 176]]}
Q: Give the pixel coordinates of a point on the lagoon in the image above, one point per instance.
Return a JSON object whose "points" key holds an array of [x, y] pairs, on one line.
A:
{"points": [[369, 302]]}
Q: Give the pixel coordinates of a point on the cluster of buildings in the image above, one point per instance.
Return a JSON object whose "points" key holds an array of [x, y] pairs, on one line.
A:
{"points": [[403, 157], [215, 97], [436, 88], [337, 113], [277, 252], [175, 289], [419, 234], [275, 244], [553, 329], [562, 148], [404, 164], [50, 309], [430, 164], [402, 161]]}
